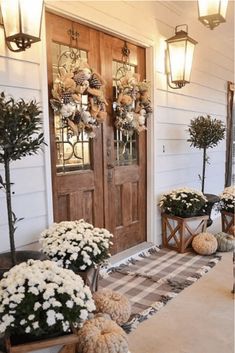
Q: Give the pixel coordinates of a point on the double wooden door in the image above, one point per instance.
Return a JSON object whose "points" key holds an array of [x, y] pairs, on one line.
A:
{"points": [[102, 180]]}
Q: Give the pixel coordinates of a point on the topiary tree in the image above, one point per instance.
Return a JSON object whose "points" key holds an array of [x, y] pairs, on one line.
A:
{"points": [[20, 136], [205, 132]]}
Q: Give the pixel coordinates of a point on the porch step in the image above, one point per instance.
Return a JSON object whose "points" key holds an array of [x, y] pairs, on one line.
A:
{"points": [[116, 259]]}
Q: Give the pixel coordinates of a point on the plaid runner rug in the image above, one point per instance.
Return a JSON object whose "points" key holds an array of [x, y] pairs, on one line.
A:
{"points": [[153, 278]]}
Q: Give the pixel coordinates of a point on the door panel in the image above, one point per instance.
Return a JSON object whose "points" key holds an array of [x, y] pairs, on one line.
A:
{"points": [[103, 180], [125, 180], [77, 187]]}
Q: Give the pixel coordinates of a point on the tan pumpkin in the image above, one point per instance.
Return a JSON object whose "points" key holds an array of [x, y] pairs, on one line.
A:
{"points": [[204, 244], [101, 335], [116, 305]]}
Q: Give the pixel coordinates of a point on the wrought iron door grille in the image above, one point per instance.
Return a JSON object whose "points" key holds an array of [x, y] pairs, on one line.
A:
{"points": [[125, 146], [73, 152]]}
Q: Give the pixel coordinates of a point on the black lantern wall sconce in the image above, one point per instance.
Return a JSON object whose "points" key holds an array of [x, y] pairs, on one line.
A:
{"points": [[212, 12], [179, 57]]}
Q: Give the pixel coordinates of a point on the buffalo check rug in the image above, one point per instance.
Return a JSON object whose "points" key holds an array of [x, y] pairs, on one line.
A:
{"points": [[153, 278]]}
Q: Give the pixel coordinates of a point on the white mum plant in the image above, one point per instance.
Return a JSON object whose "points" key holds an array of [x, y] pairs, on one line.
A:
{"points": [[76, 245], [183, 202], [39, 297], [227, 199]]}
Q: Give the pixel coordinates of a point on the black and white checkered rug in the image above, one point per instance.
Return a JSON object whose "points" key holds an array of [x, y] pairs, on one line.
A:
{"points": [[154, 278]]}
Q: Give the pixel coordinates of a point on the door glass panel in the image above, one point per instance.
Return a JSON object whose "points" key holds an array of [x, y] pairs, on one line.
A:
{"points": [[73, 152], [125, 146]]}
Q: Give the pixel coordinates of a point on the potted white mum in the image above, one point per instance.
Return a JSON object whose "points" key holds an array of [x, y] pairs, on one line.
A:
{"points": [[78, 246], [39, 298], [183, 202], [226, 206], [183, 216]]}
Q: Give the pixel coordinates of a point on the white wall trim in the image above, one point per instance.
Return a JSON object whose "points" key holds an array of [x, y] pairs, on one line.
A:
{"points": [[151, 208], [150, 72], [46, 126]]}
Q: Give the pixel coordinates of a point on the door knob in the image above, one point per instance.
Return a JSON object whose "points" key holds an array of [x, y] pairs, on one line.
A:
{"points": [[110, 165]]}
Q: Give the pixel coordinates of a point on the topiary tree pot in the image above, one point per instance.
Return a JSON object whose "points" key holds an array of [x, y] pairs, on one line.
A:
{"points": [[21, 256], [212, 200]]}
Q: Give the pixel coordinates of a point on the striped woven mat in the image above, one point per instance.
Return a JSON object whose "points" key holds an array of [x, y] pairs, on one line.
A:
{"points": [[153, 278]]}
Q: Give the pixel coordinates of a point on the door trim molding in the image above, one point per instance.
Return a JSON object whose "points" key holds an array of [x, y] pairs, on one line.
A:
{"points": [[46, 126], [87, 19], [136, 38]]}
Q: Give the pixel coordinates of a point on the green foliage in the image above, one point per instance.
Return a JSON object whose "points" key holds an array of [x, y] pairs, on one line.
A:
{"points": [[20, 136], [20, 127], [206, 132]]}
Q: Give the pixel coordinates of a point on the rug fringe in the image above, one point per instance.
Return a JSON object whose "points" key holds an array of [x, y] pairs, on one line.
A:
{"points": [[108, 268]]}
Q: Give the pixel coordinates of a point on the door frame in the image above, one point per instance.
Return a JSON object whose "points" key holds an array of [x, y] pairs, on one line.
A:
{"points": [[150, 46]]}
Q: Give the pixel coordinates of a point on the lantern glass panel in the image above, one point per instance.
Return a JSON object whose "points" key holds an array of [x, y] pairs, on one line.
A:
{"points": [[10, 14], [189, 60], [209, 7], [212, 7], [31, 17], [177, 60], [223, 8]]}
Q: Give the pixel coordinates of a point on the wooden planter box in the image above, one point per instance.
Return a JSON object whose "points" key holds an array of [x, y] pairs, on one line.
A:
{"points": [[228, 222], [178, 233], [68, 343]]}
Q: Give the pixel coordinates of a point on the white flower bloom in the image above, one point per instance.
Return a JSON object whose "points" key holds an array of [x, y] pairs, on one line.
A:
{"points": [[31, 317], [83, 314], [65, 326], [35, 325], [28, 329], [69, 304], [8, 319], [37, 305], [60, 316], [3, 327], [51, 317], [33, 290]]}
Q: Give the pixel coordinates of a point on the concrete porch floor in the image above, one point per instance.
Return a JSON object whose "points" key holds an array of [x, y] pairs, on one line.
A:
{"points": [[199, 320]]}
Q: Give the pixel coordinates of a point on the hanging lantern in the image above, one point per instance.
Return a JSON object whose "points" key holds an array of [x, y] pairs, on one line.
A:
{"points": [[22, 22], [212, 12], [180, 49]]}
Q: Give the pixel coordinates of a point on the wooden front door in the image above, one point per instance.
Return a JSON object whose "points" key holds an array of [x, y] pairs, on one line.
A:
{"points": [[102, 180]]}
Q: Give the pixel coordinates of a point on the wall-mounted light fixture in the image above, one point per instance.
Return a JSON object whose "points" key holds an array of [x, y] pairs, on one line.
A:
{"points": [[22, 23], [179, 56], [212, 12]]}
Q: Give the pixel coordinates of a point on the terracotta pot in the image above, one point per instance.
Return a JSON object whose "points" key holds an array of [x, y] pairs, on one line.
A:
{"points": [[21, 256], [90, 278]]}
